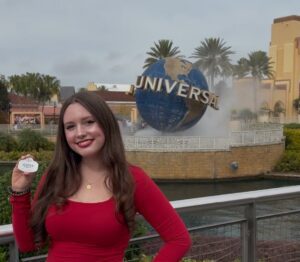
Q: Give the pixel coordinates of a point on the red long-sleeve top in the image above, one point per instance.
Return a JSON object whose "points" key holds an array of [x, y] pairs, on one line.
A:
{"points": [[92, 232]]}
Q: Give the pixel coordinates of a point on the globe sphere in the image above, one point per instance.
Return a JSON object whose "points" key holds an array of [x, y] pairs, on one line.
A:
{"points": [[165, 110]]}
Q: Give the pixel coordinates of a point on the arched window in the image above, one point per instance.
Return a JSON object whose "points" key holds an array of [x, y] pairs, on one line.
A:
{"points": [[279, 108]]}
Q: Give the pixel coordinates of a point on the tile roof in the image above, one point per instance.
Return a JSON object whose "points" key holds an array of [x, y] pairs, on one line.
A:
{"points": [[50, 110], [21, 100]]}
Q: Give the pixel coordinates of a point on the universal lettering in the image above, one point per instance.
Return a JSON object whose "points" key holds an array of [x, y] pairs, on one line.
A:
{"points": [[183, 90]]}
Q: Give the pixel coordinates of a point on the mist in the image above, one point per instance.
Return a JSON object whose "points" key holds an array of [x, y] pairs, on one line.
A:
{"points": [[214, 123]]}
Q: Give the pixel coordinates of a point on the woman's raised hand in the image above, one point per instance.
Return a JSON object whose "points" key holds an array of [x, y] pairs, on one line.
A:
{"points": [[20, 180]]}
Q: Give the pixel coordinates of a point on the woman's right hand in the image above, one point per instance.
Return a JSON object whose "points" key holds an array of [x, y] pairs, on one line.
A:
{"points": [[20, 181]]}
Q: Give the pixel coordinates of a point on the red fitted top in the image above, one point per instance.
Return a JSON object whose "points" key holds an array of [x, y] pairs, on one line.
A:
{"points": [[91, 232]]}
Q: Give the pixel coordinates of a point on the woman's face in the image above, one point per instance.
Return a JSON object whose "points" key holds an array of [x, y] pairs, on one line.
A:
{"points": [[83, 134]]}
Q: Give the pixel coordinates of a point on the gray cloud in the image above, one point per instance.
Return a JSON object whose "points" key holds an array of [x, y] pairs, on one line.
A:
{"points": [[106, 41], [80, 66]]}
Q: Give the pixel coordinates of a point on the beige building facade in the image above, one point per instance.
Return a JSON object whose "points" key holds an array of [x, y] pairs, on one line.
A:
{"points": [[277, 97], [284, 52]]}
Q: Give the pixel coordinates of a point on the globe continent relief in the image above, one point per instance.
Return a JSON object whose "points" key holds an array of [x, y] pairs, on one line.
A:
{"points": [[166, 111]]}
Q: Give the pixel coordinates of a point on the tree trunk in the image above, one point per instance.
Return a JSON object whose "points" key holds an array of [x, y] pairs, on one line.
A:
{"points": [[255, 88]]}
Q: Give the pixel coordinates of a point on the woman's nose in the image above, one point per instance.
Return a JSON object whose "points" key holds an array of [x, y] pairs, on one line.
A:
{"points": [[80, 131]]}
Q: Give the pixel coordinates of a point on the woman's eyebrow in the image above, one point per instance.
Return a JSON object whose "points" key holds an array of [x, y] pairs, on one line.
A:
{"points": [[81, 119]]}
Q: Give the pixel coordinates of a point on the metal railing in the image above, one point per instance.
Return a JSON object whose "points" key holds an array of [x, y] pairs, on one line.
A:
{"points": [[285, 120], [261, 135], [256, 137], [198, 143], [175, 143], [228, 228], [45, 129]]}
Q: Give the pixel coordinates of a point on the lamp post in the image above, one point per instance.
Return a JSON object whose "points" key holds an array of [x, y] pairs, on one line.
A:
{"points": [[54, 108], [9, 114]]}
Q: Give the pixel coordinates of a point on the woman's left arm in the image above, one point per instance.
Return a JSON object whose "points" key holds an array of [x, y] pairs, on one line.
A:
{"points": [[157, 210]]}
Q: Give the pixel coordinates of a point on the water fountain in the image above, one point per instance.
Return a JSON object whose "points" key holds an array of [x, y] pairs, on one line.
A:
{"points": [[172, 96]]}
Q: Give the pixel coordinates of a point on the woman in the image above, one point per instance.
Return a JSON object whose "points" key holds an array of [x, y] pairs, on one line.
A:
{"points": [[86, 201]]}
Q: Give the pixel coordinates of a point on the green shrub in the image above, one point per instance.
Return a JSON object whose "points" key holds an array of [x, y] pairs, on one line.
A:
{"points": [[5, 181], [4, 253], [292, 141], [292, 126], [246, 114], [7, 142], [5, 209], [29, 140], [15, 155], [290, 161], [133, 251]]}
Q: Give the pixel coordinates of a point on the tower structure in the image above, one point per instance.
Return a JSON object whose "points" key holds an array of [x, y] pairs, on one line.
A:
{"points": [[284, 52]]}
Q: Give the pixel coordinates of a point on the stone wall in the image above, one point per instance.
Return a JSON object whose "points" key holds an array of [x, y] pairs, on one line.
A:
{"points": [[252, 161]]}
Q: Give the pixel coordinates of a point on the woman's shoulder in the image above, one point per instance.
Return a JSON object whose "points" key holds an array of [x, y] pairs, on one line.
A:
{"points": [[138, 173]]}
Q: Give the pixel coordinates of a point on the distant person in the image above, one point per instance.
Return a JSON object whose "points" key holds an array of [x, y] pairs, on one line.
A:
{"points": [[86, 201]]}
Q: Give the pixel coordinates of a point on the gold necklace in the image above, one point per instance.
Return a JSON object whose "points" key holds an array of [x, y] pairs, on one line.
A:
{"points": [[89, 185]]}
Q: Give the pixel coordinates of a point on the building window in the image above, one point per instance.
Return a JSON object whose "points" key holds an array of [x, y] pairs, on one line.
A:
{"points": [[265, 86], [280, 87]]}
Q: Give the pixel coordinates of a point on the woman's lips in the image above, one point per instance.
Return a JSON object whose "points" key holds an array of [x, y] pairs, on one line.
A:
{"points": [[84, 143]]}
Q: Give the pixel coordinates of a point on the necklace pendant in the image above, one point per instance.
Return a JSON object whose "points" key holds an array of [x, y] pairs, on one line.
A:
{"points": [[88, 186]]}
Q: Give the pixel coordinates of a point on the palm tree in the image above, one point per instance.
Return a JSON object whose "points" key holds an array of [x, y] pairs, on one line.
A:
{"points": [[164, 48], [39, 87], [241, 69], [25, 85], [213, 58], [33, 81], [4, 100], [259, 66], [48, 87], [17, 85]]}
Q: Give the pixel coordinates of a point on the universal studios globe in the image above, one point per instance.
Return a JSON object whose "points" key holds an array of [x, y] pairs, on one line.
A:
{"points": [[172, 95]]}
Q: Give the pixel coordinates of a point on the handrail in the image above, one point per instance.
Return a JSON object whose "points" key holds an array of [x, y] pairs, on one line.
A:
{"points": [[248, 199], [235, 199], [217, 201], [6, 230]]}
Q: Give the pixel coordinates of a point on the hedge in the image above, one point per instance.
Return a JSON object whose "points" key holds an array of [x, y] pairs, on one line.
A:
{"points": [[15, 155], [290, 161], [292, 141]]}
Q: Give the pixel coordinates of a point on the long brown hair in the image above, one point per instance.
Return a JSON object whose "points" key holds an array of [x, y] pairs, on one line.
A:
{"points": [[62, 178]]}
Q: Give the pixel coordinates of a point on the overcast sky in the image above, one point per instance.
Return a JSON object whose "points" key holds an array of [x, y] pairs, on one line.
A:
{"points": [[81, 41]]}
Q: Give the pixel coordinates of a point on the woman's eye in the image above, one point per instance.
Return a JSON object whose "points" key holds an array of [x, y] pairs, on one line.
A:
{"points": [[89, 122], [69, 127]]}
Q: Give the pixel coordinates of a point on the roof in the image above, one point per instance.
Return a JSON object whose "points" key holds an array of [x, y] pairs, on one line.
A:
{"points": [[115, 96], [21, 100], [50, 110], [287, 18], [114, 87]]}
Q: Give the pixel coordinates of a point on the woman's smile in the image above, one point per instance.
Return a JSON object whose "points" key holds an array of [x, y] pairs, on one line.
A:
{"points": [[85, 143]]}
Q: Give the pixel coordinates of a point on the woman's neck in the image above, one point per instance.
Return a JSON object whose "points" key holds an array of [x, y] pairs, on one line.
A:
{"points": [[90, 167]]}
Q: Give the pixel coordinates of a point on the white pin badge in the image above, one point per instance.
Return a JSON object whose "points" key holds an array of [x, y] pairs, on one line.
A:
{"points": [[28, 165]]}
